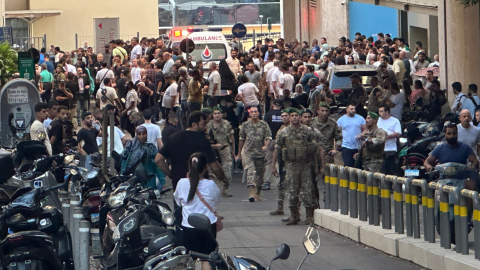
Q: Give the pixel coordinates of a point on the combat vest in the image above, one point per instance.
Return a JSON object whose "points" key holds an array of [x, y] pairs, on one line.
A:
{"points": [[298, 148]]}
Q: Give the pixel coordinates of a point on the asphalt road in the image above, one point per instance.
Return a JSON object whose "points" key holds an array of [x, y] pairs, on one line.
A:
{"points": [[251, 232]]}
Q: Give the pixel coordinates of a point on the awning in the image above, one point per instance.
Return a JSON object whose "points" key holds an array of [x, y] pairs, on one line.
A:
{"points": [[32, 14]]}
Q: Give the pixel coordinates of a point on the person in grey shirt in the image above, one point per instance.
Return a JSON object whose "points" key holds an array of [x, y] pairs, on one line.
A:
{"points": [[468, 133], [183, 82], [253, 75]]}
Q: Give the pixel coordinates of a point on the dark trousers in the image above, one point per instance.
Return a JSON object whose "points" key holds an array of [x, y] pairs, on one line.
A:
{"points": [[267, 102], [213, 101], [192, 106], [389, 165], [347, 156]]}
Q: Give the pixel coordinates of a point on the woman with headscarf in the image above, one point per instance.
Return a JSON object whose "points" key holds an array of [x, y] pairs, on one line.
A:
{"points": [[140, 153]]}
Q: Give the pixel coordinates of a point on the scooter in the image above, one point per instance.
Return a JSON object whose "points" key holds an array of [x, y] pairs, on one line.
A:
{"points": [[451, 174], [142, 221], [35, 236], [178, 258]]}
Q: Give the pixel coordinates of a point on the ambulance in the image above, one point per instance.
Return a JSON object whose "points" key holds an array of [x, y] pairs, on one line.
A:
{"points": [[210, 46]]}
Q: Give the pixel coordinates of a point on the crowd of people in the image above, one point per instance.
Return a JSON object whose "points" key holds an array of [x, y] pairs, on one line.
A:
{"points": [[266, 105]]}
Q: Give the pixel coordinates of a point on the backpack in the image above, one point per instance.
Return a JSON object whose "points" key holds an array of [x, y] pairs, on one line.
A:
{"points": [[477, 106], [92, 82]]}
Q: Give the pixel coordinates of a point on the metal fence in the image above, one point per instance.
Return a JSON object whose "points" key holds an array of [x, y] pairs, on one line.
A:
{"points": [[367, 196], [80, 40], [25, 43]]}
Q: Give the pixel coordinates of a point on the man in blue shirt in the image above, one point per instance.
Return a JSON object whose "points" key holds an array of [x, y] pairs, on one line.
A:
{"points": [[452, 151], [473, 101]]}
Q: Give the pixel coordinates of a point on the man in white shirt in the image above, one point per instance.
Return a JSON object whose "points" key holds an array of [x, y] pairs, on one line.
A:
{"points": [[214, 89], [170, 96], [107, 95], [37, 130], [137, 49], [135, 72], [70, 68], [436, 63], [234, 63], [392, 126], [286, 80], [103, 74], [396, 101], [167, 57], [119, 139], [269, 64], [459, 98], [273, 78], [468, 133], [154, 134], [473, 101]]}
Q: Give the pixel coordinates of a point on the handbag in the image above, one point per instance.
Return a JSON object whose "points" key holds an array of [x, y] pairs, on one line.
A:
{"points": [[219, 223]]}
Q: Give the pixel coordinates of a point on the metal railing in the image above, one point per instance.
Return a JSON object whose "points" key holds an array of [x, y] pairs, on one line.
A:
{"points": [[25, 43], [367, 196]]}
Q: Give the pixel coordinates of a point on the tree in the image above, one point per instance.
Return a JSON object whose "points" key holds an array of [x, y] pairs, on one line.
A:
{"points": [[468, 3], [8, 61]]}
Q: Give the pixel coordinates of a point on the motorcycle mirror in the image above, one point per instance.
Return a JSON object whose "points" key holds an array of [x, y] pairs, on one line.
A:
{"points": [[311, 241], [199, 221], [283, 252]]}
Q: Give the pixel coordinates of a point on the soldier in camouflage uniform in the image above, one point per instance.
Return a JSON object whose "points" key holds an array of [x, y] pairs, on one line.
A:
{"points": [[298, 147], [58, 77], [307, 121], [331, 138], [373, 144], [255, 135], [221, 134], [282, 185]]}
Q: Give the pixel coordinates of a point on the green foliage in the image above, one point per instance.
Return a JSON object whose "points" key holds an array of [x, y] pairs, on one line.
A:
{"points": [[468, 3], [8, 61]]}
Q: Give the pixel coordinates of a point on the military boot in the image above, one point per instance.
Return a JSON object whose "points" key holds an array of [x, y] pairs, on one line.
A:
{"points": [[257, 194], [266, 186], [225, 192], [295, 216], [251, 193], [279, 211], [309, 218]]}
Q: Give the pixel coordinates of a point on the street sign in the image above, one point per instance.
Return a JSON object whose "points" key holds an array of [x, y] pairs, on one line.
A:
{"points": [[239, 30], [26, 67], [183, 45], [269, 22], [6, 34], [105, 29]]}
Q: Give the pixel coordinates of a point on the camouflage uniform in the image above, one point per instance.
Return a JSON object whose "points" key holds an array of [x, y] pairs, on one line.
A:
{"points": [[372, 153], [253, 158], [57, 78], [298, 147], [330, 132], [282, 183], [221, 134]]}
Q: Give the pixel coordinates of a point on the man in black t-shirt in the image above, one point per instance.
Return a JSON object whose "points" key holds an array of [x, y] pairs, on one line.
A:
{"points": [[274, 121], [63, 95], [180, 147], [121, 86], [56, 131], [87, 136]]}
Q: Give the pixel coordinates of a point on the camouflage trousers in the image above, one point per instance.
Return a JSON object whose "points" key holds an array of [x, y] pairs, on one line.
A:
{"points": [[373, 167], [322, 163], [300, 184], [282, 183], [227, 163], [269, 177], [254, 169]]}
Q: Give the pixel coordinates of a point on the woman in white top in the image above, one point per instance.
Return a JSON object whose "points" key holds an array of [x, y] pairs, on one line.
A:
{"points": [[186, 197]]}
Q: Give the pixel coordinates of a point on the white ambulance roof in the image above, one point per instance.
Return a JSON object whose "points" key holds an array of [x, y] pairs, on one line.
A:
{"points": [[205, 36]]}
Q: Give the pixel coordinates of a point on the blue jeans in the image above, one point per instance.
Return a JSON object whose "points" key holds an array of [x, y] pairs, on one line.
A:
{"points": [[347, 156], [82, 106]]}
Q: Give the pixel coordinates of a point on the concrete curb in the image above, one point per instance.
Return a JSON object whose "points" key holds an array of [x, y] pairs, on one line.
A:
{"points": [[428, 255]]}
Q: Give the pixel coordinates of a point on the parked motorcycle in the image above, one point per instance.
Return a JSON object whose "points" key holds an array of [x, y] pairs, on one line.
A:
{"points": [[35, 235], [178, 258], [451, 174]]}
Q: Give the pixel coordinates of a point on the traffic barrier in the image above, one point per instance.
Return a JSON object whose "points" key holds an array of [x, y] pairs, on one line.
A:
{"points": [[367, 196], [84, 245], [77, 217]]}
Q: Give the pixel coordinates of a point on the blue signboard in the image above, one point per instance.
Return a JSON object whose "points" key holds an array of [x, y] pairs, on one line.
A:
{"points": [[239, 30], [6, 34], [368, 25]]}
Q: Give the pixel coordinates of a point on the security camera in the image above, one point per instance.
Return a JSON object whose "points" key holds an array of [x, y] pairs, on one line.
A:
{"points": [[343, 3]]}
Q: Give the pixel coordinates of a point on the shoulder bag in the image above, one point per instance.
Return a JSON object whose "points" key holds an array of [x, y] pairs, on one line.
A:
{"points": [[219, 223]]}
